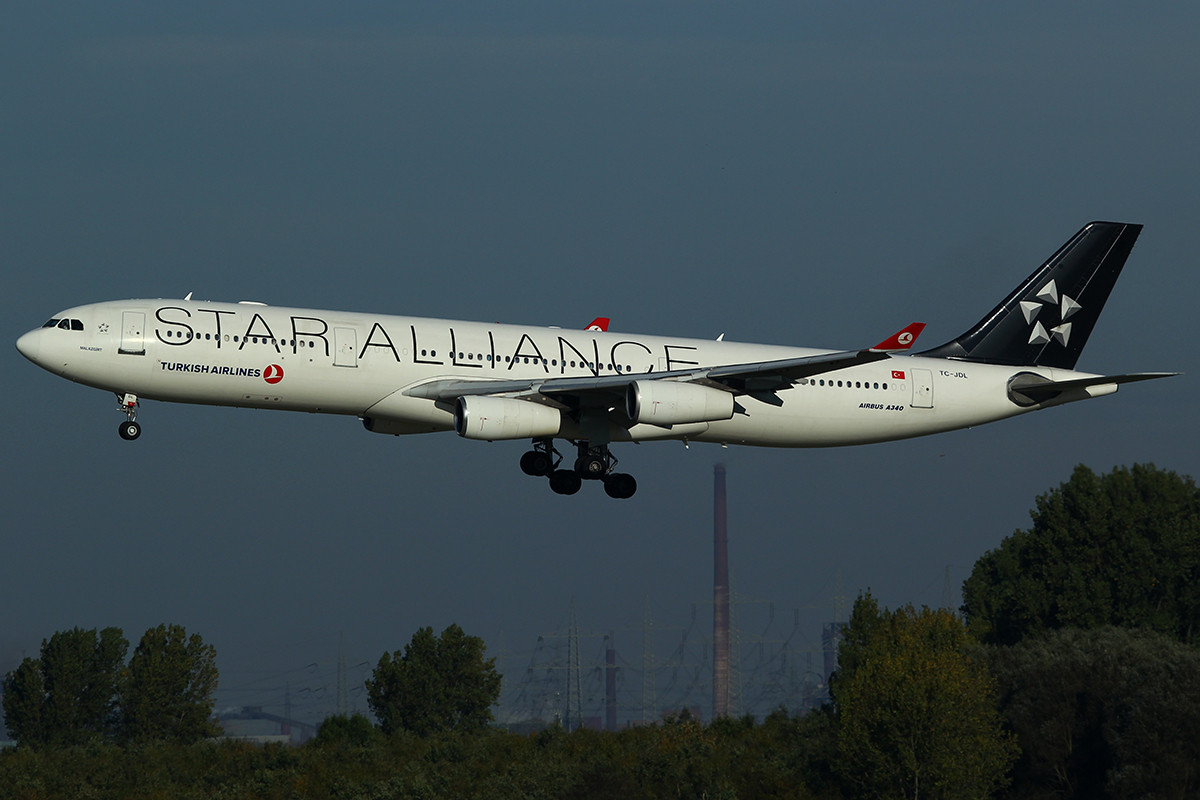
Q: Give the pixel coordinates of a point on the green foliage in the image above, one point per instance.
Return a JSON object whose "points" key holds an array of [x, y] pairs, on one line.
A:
{"points": [[68, 694], [1102, 713], [439, 683], [346, 731], [167, 691], [24, 695], [917, 715], [1116, 549]]}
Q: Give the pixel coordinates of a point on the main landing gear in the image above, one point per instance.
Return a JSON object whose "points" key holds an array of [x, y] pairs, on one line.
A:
{"points": [[129, 429], [593, 463]]}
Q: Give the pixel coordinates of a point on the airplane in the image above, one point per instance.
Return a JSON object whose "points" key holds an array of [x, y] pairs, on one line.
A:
{"points": [[593, 388]]}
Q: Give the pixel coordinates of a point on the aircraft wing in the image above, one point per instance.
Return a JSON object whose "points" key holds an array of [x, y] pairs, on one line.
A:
{"points": [[752, 378], [760, 379]]}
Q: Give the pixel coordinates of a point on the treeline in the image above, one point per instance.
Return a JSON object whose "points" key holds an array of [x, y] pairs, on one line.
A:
{"points": [[80, 690], [1072, 673]]}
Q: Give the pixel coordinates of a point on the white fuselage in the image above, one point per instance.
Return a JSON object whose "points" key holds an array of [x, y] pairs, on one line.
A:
{"points": [[256, 356]]}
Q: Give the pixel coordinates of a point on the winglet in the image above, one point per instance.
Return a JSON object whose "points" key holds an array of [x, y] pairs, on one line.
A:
{"points": [[902, 340], [598, 324]]}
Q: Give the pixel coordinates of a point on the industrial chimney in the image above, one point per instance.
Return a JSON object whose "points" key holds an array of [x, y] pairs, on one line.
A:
{"points": [[721, 683]]}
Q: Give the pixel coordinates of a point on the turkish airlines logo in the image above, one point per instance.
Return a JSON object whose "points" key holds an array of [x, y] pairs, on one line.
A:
{"points": [[905, 338], [273, 374]]}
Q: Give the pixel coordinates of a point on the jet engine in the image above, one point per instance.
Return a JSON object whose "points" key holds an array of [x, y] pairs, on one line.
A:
{"points": [[673, 403], [491, 418]]}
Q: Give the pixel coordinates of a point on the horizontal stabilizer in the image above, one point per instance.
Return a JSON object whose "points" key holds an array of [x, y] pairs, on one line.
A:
{"points": [[1028, 389]]}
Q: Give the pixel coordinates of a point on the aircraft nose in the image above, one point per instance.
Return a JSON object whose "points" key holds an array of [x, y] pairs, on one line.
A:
{"points": [[30, 344]]}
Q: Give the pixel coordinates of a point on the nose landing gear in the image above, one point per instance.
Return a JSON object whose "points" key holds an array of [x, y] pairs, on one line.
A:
{"points": [[129, 429]]}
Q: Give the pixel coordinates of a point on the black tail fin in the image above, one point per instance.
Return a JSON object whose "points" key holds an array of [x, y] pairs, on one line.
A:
{"points": [[1046, 321]]}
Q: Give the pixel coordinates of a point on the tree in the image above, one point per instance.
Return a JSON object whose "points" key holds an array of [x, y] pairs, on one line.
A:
{"points": [[24, 698], [1102, 713], [68, 694], [916, 713], [167, 691], [1117, 549], [439, 683], [353, 730]]}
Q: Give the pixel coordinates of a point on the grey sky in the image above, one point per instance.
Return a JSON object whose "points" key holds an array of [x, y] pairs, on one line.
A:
{"points": [[781, 173]]}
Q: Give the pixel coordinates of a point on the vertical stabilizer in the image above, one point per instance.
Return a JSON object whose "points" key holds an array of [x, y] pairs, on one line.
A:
{"points": [[1046, 321]]}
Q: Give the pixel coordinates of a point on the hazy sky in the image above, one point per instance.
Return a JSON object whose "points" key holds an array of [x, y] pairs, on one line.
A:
{"points": [[812, 174]]}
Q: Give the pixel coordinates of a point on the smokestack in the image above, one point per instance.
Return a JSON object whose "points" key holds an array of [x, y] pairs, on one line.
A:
{"points": [[610, 685], [721, 693]]}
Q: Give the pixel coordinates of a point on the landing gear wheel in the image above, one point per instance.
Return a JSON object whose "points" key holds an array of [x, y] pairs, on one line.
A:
{"points": [[590, 467], [537, 463], [129, 430], [620, 486], [564, 481]]}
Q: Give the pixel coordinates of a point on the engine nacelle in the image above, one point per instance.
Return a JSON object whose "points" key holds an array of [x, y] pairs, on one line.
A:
{"points": [[673, 403], [492, 418]]}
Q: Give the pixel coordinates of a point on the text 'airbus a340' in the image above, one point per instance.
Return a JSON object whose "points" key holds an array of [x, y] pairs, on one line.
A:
{"points": [[593, 388]]}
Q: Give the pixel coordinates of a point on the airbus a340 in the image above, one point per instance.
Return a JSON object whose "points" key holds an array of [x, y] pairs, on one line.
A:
{"points": [[593, 388]]}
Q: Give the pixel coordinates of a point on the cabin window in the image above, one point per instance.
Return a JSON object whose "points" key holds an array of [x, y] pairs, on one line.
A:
{"points": [[885, 386]]}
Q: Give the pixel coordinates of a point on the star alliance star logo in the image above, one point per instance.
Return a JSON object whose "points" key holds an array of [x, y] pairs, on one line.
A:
{"points": [[104, 327], [1048, 297]]}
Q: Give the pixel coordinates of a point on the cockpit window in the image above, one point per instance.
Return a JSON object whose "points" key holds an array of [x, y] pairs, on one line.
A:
{"points": [[51, 323], [76, 325], [65, 325]]}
